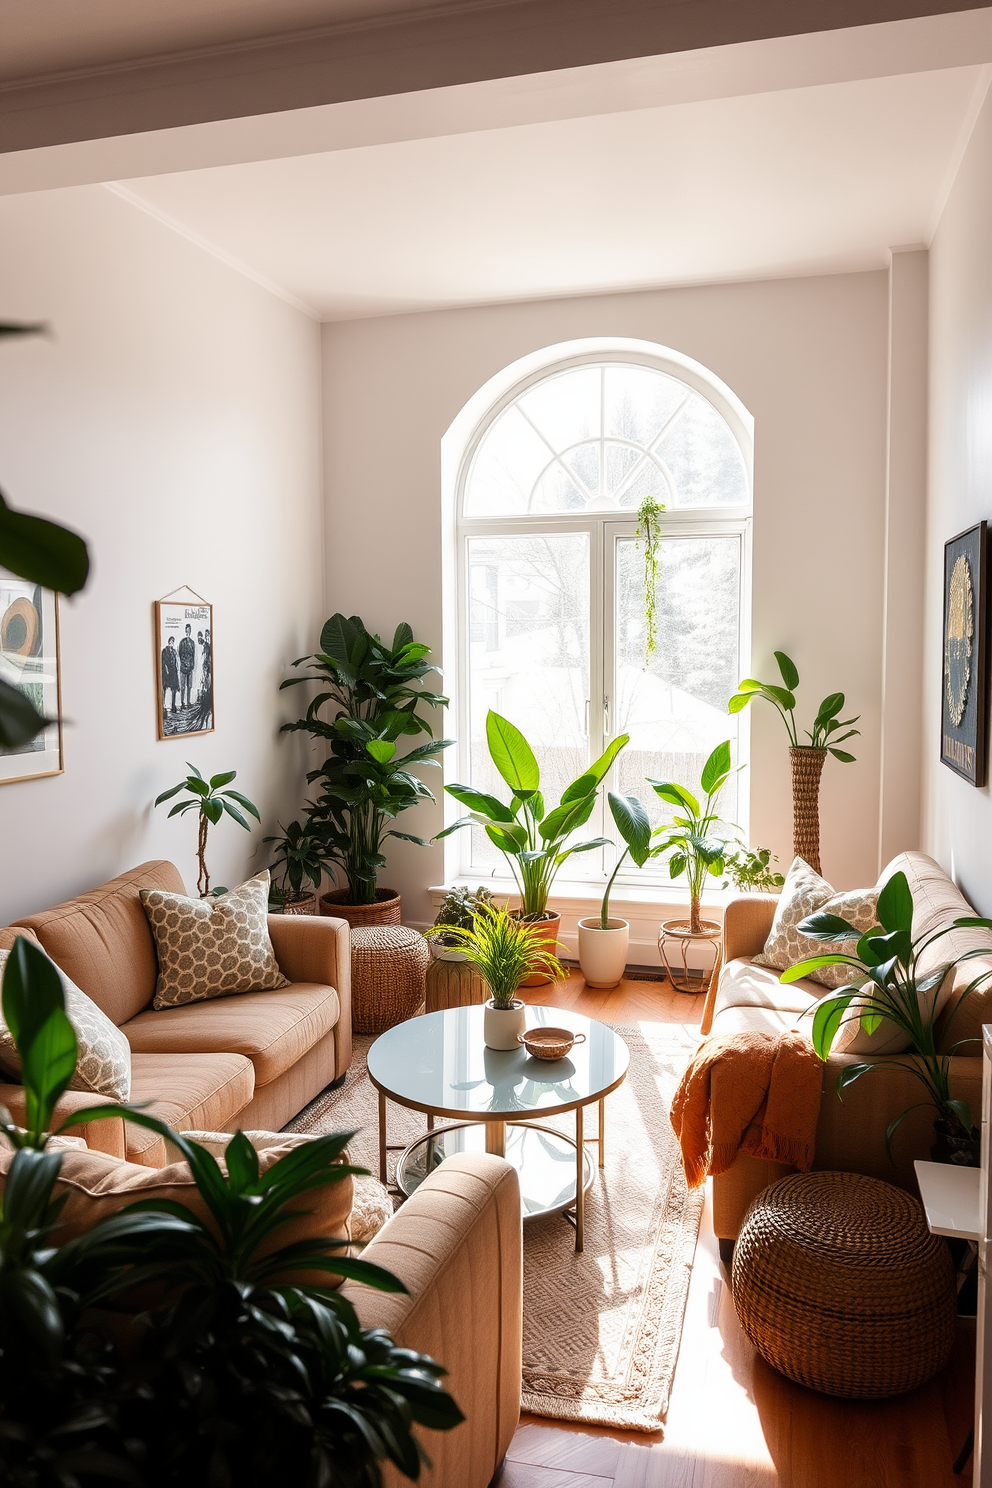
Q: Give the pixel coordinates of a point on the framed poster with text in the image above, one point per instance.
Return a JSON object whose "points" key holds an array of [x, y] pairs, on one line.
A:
{"points": [[184, 643], [963, 714]]}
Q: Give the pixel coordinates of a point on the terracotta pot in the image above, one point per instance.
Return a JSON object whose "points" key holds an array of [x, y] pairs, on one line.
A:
{"points": [[603, 953], [545, 930], [306, 904], [385, 910], [807, 767]]}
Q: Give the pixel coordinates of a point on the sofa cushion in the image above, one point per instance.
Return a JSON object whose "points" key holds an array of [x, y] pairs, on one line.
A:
{"points": [[806, 893], [274, 1029], [189, 1091], [759, 1019], [103, 1061], [746, 984], [212, 947], [102, 941]]}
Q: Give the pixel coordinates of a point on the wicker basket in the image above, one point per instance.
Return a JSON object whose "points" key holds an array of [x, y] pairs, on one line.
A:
{"points": [[807, 767], [305, 906], [385, 910], [388, 965], [840, 1286], [453, 984]]}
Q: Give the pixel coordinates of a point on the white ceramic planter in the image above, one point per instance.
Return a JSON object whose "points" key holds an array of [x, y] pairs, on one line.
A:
{"points": [[447, 953], [502, 1026], [603, 953]]}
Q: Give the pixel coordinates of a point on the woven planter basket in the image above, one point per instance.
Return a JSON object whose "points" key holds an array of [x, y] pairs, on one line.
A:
{"points": [[304, 906], [840, 1286], [388, 966], [807, 767], [385, 910], [453, 984]]}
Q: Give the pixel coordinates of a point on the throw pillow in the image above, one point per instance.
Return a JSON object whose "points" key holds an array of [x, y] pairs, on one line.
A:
{"points": [[212, 947], [104, 1060], [805, 893]]}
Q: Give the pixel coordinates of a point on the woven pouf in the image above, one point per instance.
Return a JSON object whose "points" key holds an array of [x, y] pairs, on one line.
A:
{"points": [[388, 964], [839, 1285]]}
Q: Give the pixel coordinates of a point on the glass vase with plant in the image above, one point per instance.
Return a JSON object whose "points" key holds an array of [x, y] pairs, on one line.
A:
{"points": [[828, 732], [889, 984], [506, 952], [210, 801], [243, 1361], [370, 695]]}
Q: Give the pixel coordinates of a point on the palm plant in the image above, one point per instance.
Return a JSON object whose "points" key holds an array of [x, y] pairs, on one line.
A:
{"points": [[372, 692], [505, 950], [209, 799], [888, 983], [531, 838]]}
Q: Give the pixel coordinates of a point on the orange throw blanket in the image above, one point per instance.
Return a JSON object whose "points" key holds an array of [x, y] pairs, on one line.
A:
{"points": [[769, 1101]]}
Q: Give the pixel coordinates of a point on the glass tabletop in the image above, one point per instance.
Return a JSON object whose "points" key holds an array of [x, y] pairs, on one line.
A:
{"points": [[439, 1063]]}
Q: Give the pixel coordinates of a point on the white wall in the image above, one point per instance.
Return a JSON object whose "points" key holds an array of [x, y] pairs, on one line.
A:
{"points": [[173, 419], [808, 357], [957, 817]]}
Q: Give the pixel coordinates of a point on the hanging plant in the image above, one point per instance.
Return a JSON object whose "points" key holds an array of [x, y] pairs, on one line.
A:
{"points": [[649, 533]]}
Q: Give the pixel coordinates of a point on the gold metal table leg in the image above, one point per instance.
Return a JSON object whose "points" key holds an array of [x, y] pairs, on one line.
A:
{"points": [[602, 1133], [382, 1137], [580, 1183], [496, 1138]]}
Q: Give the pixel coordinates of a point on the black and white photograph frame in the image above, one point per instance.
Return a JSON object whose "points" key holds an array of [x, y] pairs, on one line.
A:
{"points": [[29, 660], [184, 661], [964, 711]]}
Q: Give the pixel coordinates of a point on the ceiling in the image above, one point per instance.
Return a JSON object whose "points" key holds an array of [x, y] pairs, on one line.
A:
{"points": [[799, 180]]}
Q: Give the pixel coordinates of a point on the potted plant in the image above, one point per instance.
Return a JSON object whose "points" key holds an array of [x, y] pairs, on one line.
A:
{"points": [[210, 801], [604, 942], [887, 983], [371, 695], [506, 952], [531, 837], [807, 759], [299, 859], [458, 911], [751, 871], [236, 1368]]}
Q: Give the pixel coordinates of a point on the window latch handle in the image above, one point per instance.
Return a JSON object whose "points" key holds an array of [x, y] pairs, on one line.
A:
{"points": [[586, 726], [606, 717]]}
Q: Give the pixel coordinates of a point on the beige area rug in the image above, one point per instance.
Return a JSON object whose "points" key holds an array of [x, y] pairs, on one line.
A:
{"points": [[601, 1329]]}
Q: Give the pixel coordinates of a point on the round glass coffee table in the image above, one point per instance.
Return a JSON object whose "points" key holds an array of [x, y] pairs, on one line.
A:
{"points": [[439, 1064]]}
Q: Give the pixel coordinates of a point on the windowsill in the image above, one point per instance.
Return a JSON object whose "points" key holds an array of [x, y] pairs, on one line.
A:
{"points": [[577, 895]]}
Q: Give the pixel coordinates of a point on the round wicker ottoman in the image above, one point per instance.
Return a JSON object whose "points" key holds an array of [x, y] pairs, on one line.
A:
{"points": [[839, 1285], [388, 965]]}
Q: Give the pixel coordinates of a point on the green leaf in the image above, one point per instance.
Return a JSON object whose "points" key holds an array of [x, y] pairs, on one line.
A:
{"points": [[512, 755], [506, 842], [42, 551], [788, 670], [895, 904], [591, 778], [676, 865], [337, 637], [214, 810], [843, 756], [827, 1020], [813, 963], [848, 1075], [242, 1163], [402, 636], [829, 708], [168, 795], [381, 750], [780, 695], [716, 769], [479, 801], [216, 781], [633, 825], [675, 794], [243, 801], [20, 721], [828, 927]]}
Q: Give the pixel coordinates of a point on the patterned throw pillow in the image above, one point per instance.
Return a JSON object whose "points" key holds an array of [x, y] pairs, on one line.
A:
{"points": [[104, 1060], [212, 947], [806, 893]]}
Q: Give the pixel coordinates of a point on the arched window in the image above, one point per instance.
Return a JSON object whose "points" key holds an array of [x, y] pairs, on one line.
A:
{"points": [[550, 614]]}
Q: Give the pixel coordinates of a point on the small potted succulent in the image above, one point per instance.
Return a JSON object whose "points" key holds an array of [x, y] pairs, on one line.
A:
{"points": [[506, 952], [458, 912], [604, 942], [300, 858]]}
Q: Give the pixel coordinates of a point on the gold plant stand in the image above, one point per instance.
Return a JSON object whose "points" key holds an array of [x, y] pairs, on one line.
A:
{"points": [[675, 939]]}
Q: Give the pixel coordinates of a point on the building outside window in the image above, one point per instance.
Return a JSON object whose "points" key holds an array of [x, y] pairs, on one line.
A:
{"points": [[550, 579]]}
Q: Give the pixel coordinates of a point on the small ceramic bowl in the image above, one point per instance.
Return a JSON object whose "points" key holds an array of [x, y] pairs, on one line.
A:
{"points": [[549, 1043]]}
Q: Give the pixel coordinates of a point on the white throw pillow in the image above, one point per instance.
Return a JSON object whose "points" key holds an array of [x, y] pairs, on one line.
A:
{"points": [[806, 893], [104, 1058]]}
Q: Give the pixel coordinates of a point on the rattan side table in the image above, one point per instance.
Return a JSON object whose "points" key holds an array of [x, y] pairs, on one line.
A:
{"points": [[453, 984], [388, 966], [840, 1285]]}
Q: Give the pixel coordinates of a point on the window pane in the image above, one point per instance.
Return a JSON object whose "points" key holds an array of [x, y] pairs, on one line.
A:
{"points": [[704, 457], [640, 402], [529, 659], [676, 710]]}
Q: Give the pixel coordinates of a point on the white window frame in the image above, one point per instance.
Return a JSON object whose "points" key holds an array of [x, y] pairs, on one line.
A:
{"points": [[604, 527]]}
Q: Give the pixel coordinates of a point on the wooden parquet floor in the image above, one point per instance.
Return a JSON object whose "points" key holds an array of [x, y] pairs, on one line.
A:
{"points": [[734, 1422]]}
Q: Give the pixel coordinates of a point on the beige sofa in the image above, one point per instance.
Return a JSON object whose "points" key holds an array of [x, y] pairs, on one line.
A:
{"points": [[851, 1133], [252, 1060]]}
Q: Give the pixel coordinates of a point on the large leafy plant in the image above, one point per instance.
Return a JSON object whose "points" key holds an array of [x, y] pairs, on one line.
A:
{"points": [[698, 842], [43, 553], [300, 858], [532, 838], [211, 802], [888, 983], [827, 725], [246, 1368], [370, 695]]}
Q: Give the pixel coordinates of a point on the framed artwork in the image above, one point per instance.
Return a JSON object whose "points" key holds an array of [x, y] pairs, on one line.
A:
{"points": [[963, 719], [29, 659], [184, 662]]}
